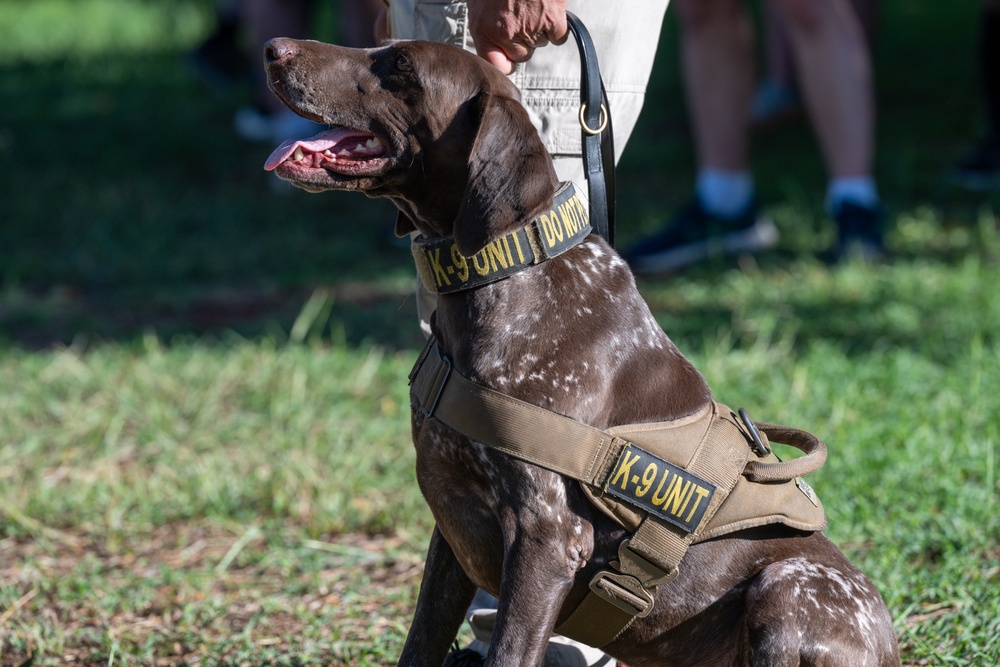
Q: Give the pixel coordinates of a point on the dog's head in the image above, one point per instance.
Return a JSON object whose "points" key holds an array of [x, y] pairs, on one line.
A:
{"points": [[436, 129]]}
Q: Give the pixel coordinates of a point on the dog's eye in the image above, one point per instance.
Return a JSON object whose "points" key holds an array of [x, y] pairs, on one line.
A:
{"points": [[403, 64]]}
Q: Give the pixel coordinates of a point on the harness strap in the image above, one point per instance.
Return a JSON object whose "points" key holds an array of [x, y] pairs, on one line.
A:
{"points": [[815, 455], [652, 554], [507, 424]]}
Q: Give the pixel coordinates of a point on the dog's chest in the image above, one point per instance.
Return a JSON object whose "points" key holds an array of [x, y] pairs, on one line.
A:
{"points": [[563, 336], [477, 494], [556, 335]]}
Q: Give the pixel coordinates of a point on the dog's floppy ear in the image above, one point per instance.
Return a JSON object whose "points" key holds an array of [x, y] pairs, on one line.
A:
{"points": [[511, 178]]}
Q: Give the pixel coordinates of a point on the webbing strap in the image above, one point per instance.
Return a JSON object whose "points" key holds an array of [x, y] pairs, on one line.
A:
{"points": [[719, 459], [512, 426], [609, 608], [652, 555], [815, 455]]}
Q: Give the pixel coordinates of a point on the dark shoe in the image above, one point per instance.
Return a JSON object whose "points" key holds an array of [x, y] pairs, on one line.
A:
{"points": [[979, 169], [859, 234], [695, 235]]}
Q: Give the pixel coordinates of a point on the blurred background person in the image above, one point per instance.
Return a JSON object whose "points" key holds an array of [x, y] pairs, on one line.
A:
{"points": [[777, 97], [833, 67], [231, 55]]}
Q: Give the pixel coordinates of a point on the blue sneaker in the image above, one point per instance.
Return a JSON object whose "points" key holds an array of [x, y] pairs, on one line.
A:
{"points": [[695, 235]]}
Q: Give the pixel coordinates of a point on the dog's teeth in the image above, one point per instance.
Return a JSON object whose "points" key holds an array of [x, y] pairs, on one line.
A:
{"points": [[344, 152], [373, 143], [328, 153], [298, 154]]}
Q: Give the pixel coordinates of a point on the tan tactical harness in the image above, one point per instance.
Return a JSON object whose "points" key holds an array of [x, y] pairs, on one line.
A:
{"points": [[670, 484]]}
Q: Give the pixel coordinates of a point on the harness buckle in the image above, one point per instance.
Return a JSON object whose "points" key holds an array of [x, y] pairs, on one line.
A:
{"points": [[635, 565], [624, 592], [425, 387]]}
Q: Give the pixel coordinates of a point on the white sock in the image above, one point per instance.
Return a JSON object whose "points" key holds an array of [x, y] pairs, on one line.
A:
{"points": [[724, 193], [859, 190]]}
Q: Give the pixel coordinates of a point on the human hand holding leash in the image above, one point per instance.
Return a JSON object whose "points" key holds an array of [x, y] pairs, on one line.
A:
{"points": [[507, 32]]}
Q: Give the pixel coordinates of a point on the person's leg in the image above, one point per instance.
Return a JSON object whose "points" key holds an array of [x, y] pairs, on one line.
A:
{"points": [[835, 77], [776, 98], [836, 80], [717, 50]]}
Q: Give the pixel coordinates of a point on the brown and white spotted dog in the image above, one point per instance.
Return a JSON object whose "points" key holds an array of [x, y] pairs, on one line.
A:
{"points": [[442, 134]]}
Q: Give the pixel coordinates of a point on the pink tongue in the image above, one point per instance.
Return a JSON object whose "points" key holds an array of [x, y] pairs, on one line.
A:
{"points": [[323, 141]]}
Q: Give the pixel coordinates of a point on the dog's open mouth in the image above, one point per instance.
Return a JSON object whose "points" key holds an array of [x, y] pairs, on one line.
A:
{"points": [[339, 150]]}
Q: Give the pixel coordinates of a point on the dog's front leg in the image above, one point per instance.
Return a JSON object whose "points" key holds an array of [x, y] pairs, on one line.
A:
{"points": [[538, 572], [445, 594]]}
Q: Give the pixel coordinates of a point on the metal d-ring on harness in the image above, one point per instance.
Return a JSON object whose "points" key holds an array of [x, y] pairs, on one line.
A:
{"points": [[597, 134]]}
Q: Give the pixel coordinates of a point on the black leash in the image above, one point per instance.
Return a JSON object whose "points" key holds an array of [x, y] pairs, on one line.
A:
{"points": [[598, 142]]}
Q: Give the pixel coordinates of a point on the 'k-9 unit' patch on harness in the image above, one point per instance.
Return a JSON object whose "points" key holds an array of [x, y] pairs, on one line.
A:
{"points": [[669, 484], [660, 487]]}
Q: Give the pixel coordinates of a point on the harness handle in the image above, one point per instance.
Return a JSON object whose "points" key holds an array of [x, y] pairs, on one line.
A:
{"points": [[782, 471], [596, 134]]}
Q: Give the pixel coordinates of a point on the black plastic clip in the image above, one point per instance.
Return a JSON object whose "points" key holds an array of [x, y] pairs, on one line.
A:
{"points": [[429, 412], [759, 447]]}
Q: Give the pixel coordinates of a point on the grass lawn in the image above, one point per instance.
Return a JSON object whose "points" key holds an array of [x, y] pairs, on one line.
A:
{"points": [[204, 447]]}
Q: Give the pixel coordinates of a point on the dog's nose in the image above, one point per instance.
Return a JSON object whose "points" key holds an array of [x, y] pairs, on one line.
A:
{"points": [[279, 49]]}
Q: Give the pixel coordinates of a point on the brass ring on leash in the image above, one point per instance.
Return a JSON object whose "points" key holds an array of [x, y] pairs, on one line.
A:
{"points": [[603, 117]]}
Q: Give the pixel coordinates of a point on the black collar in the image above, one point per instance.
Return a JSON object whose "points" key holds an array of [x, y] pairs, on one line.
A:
{"points": [[443, 269]]}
